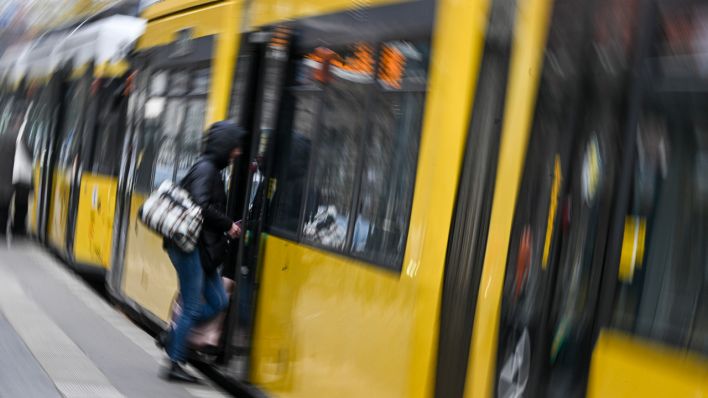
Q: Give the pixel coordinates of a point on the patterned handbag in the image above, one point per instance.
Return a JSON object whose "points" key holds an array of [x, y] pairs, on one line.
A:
{"points": [[170, 212]]}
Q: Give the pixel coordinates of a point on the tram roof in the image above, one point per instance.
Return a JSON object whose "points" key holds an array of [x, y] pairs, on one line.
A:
{"points": [[102, 42]]}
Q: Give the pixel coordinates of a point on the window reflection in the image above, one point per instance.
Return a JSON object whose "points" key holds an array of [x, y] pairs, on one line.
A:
{"points": [[179, 82], [293, 157], [173, 126], [335, 165], [70, 141], [391, 154], [200, 82], [109, 130], [158, 84], [192, 136], [167, 144]]}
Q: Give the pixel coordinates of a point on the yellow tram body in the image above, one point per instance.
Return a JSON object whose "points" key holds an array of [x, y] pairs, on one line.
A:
{"points": [[551, 261], [329, 325], [82, 231]]}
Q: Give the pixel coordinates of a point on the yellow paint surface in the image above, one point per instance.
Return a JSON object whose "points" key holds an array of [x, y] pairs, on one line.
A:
{"points": [[166, 7], [94, 224], [623, 366], [79, 72], [329, 326], [224, 63], [111, 69], [58, 211], [33, 211], [526, 62], [205, 21], [552, 207], [635, 229], [148, 277], [266, 12]]}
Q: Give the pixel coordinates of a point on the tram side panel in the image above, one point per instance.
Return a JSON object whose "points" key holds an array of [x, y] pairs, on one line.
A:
{"points": [[361, 205], [67, 158], [93, 234]]}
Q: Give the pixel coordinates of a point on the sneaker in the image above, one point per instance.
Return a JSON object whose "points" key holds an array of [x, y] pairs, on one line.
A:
{"points": [[179, 374]]}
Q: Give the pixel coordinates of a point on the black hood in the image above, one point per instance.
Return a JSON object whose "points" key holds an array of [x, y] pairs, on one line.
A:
{"points": [[221, 139]]}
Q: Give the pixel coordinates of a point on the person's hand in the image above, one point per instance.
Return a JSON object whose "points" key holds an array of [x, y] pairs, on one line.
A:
{"points": [[235, 231]]}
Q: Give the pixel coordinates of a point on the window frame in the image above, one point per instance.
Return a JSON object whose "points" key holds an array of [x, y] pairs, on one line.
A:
{"points": [[376, 89], [190, 70]]}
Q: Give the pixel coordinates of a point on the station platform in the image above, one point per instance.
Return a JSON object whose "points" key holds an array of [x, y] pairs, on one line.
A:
{"points": [[60, 338]]}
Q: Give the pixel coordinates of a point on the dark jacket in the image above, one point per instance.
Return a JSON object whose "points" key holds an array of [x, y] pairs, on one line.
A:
{"points": [[204, 183]]}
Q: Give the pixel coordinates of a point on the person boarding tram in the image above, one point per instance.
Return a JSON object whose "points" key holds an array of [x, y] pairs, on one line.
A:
{"points": [[200, 284]]}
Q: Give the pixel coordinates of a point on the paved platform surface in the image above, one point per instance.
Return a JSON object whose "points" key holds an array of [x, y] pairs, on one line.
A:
{"points": [[58, 338]]}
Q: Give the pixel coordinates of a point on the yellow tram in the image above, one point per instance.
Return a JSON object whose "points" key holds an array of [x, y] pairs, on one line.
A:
{"points": [[442, 198], [70, 82]]}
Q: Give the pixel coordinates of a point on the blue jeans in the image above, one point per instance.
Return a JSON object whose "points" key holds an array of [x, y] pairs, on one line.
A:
{"points": [[203, 297]]}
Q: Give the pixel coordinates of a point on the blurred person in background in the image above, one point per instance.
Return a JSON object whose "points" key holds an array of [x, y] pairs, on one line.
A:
{"points": [[201, 287]]}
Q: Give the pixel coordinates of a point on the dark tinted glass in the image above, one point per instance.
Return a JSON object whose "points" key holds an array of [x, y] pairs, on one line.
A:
{"points": [[344, 110], [391, 154], [292, 159], [71, 132]]}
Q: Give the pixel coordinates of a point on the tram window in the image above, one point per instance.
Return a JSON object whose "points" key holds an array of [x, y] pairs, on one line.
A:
{"points": [[174, 124], [242, 80], [663, 272], [33, 130], [167, 142], [343, 122], [154, 110], [41, 122], [179, 82], [360, 120], [200, 82], [391, 154], [37, 127], [109, 131], [191, 136], [661, 291], [106, 158], [294, 150], [150, 137], [70, 142], [158, 84]]}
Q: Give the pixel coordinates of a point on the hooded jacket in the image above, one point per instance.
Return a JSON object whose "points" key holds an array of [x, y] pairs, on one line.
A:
{"points": [[205, 185]]}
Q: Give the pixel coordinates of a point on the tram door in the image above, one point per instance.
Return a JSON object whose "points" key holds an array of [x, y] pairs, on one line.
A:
{"points": [[47, 108], [95, 189], [167, 114], [262, 70], [66, 165], [560, 230]]}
